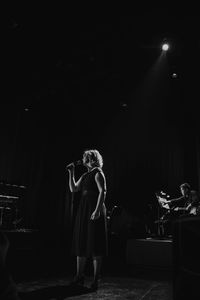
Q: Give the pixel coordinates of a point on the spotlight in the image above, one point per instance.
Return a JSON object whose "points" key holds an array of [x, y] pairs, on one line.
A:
{"points": [[124, 105], [174, 75], [165, 47]]}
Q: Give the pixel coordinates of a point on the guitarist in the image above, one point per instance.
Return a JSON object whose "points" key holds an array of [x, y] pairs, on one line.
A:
{"points": [[188, 203]]}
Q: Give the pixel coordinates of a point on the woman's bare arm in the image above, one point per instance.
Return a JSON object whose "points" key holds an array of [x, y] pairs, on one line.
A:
{"points": [[101, 184], [73, 185]]}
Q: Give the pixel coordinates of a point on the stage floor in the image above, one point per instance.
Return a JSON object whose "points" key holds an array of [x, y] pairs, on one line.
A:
{"points": [[125, 273], [109, 288]]}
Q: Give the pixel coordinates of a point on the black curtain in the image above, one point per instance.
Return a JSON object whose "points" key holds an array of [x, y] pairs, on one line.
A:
{"points": [[96, 88]]}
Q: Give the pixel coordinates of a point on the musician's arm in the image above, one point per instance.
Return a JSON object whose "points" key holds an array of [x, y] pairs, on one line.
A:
{"points": [[175, 200], [187, 208]]}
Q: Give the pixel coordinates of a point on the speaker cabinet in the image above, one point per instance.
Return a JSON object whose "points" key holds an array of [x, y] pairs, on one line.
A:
{"points": [[186, 258]]}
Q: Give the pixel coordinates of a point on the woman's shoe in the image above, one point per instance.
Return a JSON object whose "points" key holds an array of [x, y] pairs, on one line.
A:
{"points": [[78, 280], [94, 285]]}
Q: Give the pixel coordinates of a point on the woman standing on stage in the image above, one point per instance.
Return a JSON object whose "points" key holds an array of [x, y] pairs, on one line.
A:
{"points": [[90, 231]]}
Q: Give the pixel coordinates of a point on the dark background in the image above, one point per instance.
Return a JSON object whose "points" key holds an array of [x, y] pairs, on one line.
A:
{"points": [[73, 81]]}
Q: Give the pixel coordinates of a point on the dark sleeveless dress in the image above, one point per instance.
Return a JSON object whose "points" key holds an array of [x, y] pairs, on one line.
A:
{"points": [[89, 236]]}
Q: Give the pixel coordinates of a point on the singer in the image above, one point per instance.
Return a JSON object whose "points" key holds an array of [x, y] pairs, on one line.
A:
{"points": [[90, 231]]}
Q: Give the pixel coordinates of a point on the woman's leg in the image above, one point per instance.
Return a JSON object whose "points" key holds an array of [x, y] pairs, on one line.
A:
{"points": [[81, 260], [80, 267], [97, 262]]}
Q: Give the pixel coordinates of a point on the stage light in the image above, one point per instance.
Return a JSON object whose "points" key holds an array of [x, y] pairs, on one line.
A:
{"points": [[165, 47], [174, 75]]}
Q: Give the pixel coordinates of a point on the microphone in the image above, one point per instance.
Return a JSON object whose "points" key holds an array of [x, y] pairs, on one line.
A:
{"points": [[76, 163]]}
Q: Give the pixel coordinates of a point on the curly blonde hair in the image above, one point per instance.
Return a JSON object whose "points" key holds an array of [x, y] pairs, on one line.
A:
{"points": [[94, 156]]}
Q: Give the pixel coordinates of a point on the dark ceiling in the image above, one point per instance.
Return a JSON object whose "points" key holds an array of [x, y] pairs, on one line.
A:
{"points": [[90, 57]]}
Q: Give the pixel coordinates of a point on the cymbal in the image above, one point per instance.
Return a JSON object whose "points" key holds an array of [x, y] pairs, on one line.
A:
{"points": [[9, 197], [3, 207]]}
